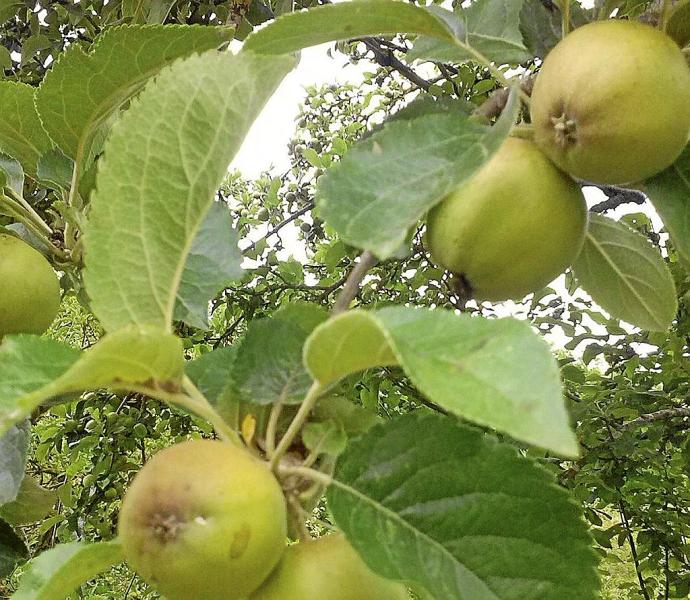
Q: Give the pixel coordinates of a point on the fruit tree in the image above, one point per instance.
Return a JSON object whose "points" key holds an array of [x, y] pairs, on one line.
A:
{"points": [[421, 361]]}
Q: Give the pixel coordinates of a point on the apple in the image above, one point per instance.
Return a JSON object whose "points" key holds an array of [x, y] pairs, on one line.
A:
{"points": [[30, 295], [326, 569], [611, 103], [512, 228], [204, 520]]}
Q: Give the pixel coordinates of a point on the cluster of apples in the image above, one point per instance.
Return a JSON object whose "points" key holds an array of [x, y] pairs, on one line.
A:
{"points": [[30, 294], [610, 105], [205, 520]]}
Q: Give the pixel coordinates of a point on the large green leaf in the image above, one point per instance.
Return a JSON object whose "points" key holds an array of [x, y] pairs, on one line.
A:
{"points": [[489, 28], [14, 445], [57, 572], [212, 374], [213, 262], [269, 367], [21, 134], [163, 162], [670, 193], [386, 183], [13, 550], [498, 373], [32, 503], [626, 275], [424, 499], [343, 21], [83, 89], [34, 369]]}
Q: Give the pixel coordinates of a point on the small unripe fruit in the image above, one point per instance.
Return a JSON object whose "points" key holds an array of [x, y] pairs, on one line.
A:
{"points": [[512, 228], [327, 569], [262, 215], [30, 294], [305, 227], [611, 103], [204, 520]]}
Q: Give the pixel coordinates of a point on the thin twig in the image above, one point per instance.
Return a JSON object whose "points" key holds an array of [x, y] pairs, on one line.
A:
{"points": [[279, 226], [633, 548], [616, 197], [659, 415], [366, 261]]}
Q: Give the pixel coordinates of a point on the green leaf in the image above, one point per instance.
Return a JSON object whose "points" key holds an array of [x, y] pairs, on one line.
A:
{"points": [[13, 550], [5, 58], [55, 170], [159, 11], [21, 134], [11, 174], [678, 25], [163, 162], [83, 89], [473, 367], [541, 24], [268, 367], [385, 184], [312, 157], [212, 374], [327, 437], [353, 418], [489, 27], [14, 445], [34, 369], [213, 262], [56, 573], [343, 21], [33, 44], [136, 11], [626, 275], [8, 9], [432, 502], [670, 193], [32, 504]]}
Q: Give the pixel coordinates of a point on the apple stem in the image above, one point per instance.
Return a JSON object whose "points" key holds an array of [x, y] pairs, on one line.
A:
{"points": [[272, 427], [314, 393], [307, 473], [665, 14], [565, 23]]}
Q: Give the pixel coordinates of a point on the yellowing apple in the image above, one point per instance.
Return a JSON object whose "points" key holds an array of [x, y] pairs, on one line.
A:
{"points": [[204, 520], [512, 228], [611, 103], [30, 295], [326, 569]]}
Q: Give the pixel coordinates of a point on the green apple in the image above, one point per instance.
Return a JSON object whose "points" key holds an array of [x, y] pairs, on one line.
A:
{"points": [[30, 295], [611, 103], [326, 569], [204, 520], [512, 228]]}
